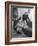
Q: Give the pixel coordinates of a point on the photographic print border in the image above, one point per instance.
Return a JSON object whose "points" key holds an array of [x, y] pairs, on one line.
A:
{"points": [[7, 23]]}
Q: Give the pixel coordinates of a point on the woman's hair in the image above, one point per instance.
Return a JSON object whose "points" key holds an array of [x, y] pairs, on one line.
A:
{"points": [[25, 17]]}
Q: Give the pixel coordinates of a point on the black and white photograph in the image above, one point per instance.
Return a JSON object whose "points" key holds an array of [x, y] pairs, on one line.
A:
{"points": [[21, 22]]}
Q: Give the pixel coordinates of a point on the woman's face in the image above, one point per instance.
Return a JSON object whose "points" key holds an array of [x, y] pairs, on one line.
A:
{"points": [[27, 20]]}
